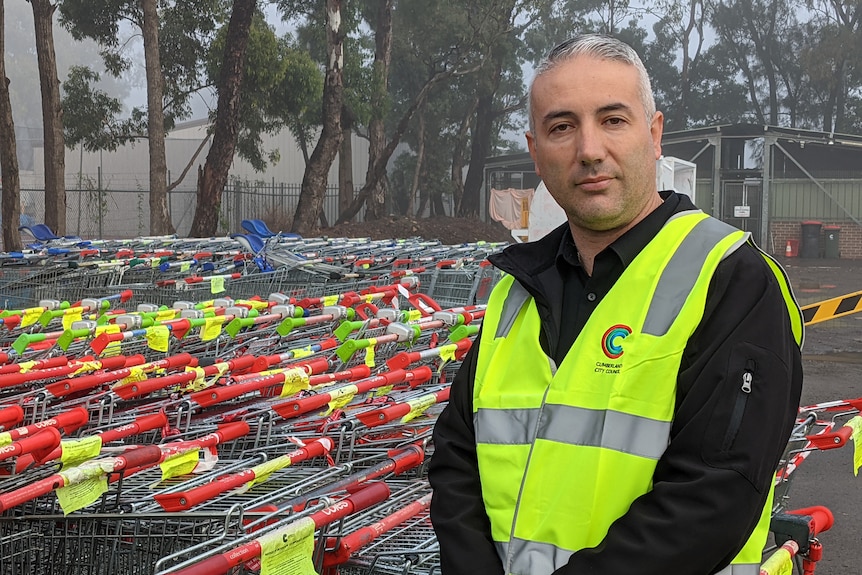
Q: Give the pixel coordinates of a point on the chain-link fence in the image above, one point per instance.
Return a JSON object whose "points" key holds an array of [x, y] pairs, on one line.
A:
{"points": [[95, 210]]}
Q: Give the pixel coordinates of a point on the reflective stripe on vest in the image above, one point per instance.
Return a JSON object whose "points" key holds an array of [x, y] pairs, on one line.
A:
{"points": [[542, 558], [574, 425], [678, 278]]}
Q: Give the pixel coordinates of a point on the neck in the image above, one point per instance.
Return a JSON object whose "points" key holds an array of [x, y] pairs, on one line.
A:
{"points": [[591, 242]]}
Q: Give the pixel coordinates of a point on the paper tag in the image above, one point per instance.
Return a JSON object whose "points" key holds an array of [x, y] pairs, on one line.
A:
{"points": [[330, 300], [79, 495], [447, 352], [209, 461], [75, 451], [369, 353], [217, 285], [339, 399], [185, 266], [71, 317], [302, 352], [198, 383], [288, 551], [112, 348], [84, 484], [267, 468], [383, 390], [31, 316], [779, 563], [87, 367], [181, 464], [856, 425], [5, 438], [211, 328], [136, 374], [25, 366], [414, 315], [166, 314], [294, 380], [418, 407], [157, 337]]}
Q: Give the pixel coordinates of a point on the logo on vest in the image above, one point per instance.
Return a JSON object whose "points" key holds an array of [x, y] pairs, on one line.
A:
{"points": [[612, 340]]}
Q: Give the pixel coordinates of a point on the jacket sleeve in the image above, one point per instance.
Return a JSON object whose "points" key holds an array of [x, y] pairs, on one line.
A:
{"points": [[457, 509], [711, 484]]}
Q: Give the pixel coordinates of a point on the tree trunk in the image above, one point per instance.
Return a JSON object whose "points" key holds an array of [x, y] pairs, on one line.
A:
{"points": [[314, 180], [378, 169], [345, 162], [458, 157], [11, 203], [478, 153], [420, 156], [376, 205], [52, 117], [213, 177], [160, 218]]}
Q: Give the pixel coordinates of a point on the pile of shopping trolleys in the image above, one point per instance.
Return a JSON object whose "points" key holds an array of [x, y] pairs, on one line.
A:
{"points": [[248, 405], [228, 405]]}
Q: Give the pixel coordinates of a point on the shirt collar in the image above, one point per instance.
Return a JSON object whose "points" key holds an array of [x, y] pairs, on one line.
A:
{"points": [[630, 244]]}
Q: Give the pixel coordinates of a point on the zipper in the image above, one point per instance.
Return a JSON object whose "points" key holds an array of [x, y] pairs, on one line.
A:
{"points": [[739, 406]]}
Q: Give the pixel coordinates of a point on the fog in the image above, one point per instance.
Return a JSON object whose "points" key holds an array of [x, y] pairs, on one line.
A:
{"points": [[23, 72]]}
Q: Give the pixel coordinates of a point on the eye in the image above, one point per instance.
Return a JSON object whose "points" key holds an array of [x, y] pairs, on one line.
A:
{"points": [[615, 121]]}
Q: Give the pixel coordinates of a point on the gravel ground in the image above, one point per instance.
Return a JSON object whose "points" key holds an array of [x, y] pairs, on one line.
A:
{"points": [[832, 363]]}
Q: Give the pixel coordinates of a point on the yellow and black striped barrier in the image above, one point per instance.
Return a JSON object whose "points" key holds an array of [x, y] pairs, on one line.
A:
{"points": [[832, 308]]}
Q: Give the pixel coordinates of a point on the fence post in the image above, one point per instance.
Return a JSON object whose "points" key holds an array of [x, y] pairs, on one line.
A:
{"points": [[237, 206], [99, 208]]}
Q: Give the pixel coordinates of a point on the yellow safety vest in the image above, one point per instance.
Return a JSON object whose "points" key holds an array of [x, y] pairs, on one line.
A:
{"points": [[601, 419]]}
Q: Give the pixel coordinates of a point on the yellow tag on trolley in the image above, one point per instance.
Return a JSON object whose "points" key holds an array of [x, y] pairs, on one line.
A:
{"points": [[31, 316], [856, 425], [75, 451], [158, 337], [294, 380], [418, 407], [72, 317], [288, 551], [211, 328], [181, 464], [217, 285]]}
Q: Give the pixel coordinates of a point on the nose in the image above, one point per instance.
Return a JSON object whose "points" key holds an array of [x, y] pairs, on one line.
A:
{"points": [[590, 144]]}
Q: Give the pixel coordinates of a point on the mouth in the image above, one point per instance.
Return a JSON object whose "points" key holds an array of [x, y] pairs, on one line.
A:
{"points": [[596, 183]]}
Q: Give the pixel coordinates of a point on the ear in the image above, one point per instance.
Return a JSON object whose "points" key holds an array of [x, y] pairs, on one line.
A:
{"points": [[656, 130], [531, 146]]}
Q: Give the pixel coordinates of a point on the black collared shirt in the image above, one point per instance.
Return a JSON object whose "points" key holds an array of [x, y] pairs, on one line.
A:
{"points": [[582, 293]]}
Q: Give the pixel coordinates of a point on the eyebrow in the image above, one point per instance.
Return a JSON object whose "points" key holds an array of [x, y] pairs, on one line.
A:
{"points": [[613, 107]]}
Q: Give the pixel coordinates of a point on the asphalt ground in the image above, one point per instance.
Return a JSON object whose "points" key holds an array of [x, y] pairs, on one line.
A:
{"points": [[832, 364]]}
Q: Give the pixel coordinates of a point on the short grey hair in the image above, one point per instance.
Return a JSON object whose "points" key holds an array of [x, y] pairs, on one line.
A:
{"points": [[600, 47]]}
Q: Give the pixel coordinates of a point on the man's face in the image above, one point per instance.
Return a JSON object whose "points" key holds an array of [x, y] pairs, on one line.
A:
{"points": [[592, 143]]}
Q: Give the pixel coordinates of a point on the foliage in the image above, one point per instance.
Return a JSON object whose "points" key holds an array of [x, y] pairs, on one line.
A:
{"points": [[281, 88], [91, 116], [186, 31]]}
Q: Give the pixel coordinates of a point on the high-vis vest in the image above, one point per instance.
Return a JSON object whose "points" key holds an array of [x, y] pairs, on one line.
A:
{"points": [[563, 451]]}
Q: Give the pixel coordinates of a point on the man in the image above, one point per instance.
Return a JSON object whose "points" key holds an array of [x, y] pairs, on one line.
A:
{"points": [[638, 370]]}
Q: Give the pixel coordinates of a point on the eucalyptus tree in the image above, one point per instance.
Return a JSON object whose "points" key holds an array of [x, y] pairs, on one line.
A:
{"points": [[832, 59], [313, 189], [176, 36], [212, 177], [756, 34], [52, 116], [11, 202]]}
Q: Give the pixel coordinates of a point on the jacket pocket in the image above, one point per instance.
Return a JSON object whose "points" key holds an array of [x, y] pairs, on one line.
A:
{"points": [[749, 411]]}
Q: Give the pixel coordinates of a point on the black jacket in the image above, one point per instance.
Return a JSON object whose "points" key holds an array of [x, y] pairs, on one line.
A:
{"points": [[712, 481]]}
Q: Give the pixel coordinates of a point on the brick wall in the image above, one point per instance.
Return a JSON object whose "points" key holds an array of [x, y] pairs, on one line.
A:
{"points": [[849, 238]]}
